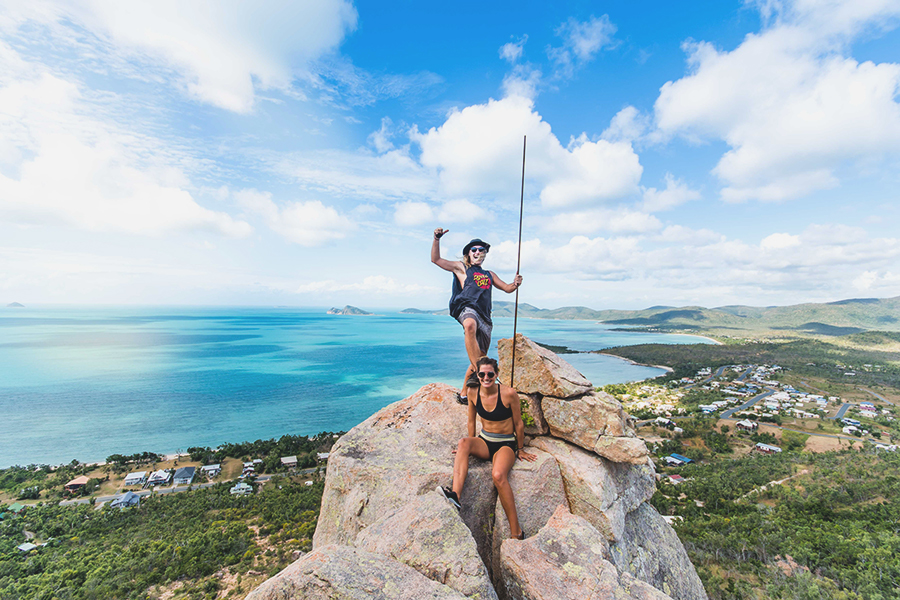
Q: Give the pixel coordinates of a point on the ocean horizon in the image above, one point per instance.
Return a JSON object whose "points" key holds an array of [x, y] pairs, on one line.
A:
{"points": [[87, 382]]}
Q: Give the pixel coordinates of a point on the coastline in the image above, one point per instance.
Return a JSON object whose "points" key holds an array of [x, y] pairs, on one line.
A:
{"points": [[634, 362]]}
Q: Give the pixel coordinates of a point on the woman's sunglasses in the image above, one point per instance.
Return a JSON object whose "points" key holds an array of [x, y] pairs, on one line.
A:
{"points": [[477, 249], [488, 374]]}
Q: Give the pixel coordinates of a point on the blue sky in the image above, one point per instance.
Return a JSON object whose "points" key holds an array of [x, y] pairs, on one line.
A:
{"points": [[301, 153]]}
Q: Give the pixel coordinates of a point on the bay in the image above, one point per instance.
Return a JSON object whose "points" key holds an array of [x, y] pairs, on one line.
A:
{"points": [[84, 383]]}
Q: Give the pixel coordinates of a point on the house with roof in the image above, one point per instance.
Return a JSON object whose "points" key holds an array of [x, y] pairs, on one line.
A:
{"points": [[16, 508], [125, 500], [767, 448], [322, 456], [26, 547], [77, 483], [747, 425], [136, 478], [160, 477], [242, 489], [184, 476], [289, 461], [211, 470]]}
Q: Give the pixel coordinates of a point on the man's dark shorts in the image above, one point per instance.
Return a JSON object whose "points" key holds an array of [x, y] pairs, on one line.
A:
{"points": [[482, 329]]}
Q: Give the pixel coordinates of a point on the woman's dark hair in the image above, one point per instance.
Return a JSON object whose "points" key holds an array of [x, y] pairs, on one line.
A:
{"points": [[487, 360]]}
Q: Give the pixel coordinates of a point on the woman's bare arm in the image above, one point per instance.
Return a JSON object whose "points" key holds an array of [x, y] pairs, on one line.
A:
{"points": [[509, 288], [513, 398], [471, 413]]}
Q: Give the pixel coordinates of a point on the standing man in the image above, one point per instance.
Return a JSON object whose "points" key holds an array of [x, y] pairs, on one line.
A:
{"points": [[470, 302]]}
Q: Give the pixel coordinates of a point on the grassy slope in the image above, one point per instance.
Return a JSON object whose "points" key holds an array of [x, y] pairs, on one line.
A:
{"points": [[801, 320]]}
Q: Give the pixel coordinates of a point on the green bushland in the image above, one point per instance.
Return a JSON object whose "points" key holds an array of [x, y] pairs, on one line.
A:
{"points": [[810, 358], [185, 537], [839, 523], [270, 451]]}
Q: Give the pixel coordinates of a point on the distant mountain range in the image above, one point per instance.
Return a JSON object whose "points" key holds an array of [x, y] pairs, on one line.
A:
{"points": [[843, 317]]}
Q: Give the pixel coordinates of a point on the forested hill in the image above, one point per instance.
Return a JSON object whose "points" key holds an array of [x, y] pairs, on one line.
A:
{"points": [[800, 320]]}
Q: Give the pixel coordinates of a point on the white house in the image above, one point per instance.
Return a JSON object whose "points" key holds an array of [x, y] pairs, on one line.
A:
{"points": [[211, 470], [242, 489], [184, 475], [159, 477], [136, 478], [289, 461]]}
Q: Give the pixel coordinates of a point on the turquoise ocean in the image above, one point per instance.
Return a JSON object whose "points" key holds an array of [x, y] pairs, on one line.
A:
{"points": [[84, 383]]}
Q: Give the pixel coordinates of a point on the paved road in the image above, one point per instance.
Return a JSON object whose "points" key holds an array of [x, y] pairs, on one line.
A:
{"points": [[879, 396], [718, 373], [727, 414], [744, 374], [841, 411]]}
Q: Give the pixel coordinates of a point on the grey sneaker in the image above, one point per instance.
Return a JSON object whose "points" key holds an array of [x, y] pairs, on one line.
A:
{"points": [[450, 495], [472, 381]]}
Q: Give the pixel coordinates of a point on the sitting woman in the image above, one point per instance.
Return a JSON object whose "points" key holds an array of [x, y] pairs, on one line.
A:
{"points": [[500, 440]]}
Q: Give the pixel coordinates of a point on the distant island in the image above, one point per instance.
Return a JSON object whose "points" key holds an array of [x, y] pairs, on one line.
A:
{"points": [[348, 310], [15, 305], [415, 311]]}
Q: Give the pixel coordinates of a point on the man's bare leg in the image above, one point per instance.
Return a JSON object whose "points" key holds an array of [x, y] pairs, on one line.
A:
{"points": [[472, 349]]}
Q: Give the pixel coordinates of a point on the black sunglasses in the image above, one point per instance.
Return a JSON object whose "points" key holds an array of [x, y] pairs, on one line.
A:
{"points": [[478, 249], [483, 374]]}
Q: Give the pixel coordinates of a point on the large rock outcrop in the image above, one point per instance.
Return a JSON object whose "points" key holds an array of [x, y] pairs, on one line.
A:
{"points": [[568, 558], [583, 503]]}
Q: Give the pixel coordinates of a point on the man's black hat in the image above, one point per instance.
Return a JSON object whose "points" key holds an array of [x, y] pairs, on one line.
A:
{"points": [[475, 242]]}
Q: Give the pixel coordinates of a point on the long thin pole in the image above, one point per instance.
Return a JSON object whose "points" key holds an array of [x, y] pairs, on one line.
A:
{"points": [[512, 367]]}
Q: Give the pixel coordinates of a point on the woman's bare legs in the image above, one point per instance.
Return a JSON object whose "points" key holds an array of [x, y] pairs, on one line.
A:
{"points": [[503, 462], [469, 446]]}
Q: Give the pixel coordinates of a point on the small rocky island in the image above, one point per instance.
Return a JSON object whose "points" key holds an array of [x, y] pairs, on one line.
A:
{"points": [[15, 305], [347, 310]]}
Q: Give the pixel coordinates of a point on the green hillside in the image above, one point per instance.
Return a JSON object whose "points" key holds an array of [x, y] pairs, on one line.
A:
{"points": [[841, 318]]}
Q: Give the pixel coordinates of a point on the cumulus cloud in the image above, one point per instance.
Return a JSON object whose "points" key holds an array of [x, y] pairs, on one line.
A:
{"points": [[410, 214], [675, 194], [304, 223], [222, 51], [627, 125], [620, 220], [60, 165], [790, 105], [478, 150], [582, 40], [512, 51]]}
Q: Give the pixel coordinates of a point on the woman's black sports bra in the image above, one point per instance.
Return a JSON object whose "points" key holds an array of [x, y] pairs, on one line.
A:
{"points": [[501, 412]]}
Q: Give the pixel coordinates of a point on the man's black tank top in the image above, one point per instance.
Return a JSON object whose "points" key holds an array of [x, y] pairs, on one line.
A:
{"points": [[501, 412], [475, 294]]}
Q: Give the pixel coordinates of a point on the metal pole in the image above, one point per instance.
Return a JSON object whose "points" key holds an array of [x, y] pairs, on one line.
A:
{"points": [[512, 366]]}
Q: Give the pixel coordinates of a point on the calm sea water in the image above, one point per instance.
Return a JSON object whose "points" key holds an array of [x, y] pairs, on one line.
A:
{"points": [[87, 383]]}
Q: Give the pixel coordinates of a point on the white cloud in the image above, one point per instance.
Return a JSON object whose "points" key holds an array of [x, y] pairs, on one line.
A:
{"points": [[375, 284], [512, 51], [305, 223], [478, 150], [381, 139], [410, 214], [60, 165], [461, 211], [779, 241], [523, 81], [620, 220], [792, 108], [675, 194], [222, 50], [581, 42], [628, 125]]}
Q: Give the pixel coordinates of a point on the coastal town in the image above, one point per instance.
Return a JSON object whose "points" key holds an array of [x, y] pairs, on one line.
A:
{"points": [[758, 403]]}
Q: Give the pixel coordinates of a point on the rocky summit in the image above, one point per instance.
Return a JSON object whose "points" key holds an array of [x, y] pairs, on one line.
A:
{"points": [[385, 533]]}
